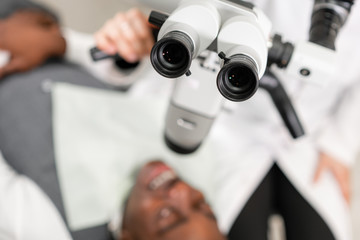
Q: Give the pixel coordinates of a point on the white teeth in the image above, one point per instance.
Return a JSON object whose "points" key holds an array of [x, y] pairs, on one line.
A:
{"points": [[161, 179]]}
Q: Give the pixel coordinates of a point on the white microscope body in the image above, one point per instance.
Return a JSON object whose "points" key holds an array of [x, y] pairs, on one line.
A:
{"points": [[188, 43], [203, 40]]}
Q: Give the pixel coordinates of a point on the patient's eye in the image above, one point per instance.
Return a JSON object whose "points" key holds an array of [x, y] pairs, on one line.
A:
{"points": [[46, 22], [166, 212], [204, 208], [167, 218]]}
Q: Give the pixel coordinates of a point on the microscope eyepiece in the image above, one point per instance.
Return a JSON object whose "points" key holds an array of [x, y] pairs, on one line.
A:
{"points": [[238, 79], [172, 55]]}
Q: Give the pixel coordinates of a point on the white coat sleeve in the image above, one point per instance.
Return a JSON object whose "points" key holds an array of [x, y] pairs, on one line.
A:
{"points": [[26, 213], [78, 51], [341, 137]]}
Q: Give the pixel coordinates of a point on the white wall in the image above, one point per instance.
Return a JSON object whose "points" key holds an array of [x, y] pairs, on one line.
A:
{"points": [[88, 15]]}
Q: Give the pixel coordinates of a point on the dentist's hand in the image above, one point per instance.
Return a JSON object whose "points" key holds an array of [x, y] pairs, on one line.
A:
{"points": [[127, 34]]}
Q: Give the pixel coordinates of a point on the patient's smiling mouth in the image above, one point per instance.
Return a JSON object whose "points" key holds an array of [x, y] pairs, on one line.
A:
{"points": [[158, 174], [162, 179]]}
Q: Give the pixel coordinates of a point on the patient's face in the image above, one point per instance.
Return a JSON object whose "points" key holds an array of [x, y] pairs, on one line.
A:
{"points": [[161, 206], [31, 37]]}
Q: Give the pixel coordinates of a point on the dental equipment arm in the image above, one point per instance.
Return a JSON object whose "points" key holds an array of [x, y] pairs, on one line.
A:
{"points": [[311, 61]]}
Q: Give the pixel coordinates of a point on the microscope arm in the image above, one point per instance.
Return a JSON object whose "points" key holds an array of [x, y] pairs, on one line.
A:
{"points": [[273, 86], [306, 61]]}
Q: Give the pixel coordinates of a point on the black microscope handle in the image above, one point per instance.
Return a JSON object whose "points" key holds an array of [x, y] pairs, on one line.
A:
{"points": [[273, 86], [98, 55]]}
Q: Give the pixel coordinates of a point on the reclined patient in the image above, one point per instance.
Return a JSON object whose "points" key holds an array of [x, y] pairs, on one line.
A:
{"points": [[160, 206]]}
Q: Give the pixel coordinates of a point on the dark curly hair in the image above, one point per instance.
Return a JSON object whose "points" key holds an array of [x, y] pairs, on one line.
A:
{"points": [[8, 7]]}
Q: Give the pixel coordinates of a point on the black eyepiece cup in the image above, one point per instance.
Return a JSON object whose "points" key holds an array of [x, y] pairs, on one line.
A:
{"points": [[238, 79], [172, 55]]}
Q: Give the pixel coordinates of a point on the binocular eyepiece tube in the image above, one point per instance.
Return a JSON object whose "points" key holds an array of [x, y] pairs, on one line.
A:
{"points": [[238, 79], [172, 55], [183, 35]]}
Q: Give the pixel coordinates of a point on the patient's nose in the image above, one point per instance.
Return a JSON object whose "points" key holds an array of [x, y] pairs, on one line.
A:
{"points": [[184, 196]]}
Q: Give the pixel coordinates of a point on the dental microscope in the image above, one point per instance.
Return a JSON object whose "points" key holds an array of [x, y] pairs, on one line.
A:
{"points": [[219, 50]]}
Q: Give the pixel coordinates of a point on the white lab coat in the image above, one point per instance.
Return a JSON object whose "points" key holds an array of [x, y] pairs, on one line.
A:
{"points": [[269, 141]]}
